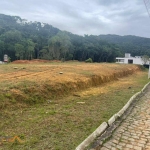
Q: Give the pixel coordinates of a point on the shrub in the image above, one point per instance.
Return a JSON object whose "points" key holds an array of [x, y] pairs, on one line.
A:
{"points": [[89, 60]]}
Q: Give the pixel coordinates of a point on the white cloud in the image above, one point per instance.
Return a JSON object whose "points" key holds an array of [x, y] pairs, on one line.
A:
{"points": [[84, 16]]}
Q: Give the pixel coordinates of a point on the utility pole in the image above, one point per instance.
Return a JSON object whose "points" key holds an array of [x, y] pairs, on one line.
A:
{"points": [[147, 5]]}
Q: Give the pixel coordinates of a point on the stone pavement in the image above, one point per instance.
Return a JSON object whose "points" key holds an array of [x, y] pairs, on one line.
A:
{"points": [[134, 132]]}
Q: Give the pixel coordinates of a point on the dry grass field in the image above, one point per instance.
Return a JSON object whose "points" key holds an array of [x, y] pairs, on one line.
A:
{"points": [[57, 105], [34, 83]]}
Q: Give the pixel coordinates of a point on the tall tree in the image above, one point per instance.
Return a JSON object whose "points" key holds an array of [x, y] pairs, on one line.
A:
{"points": [[30, 49], [2, 48], [59, 45], [19, 51]]}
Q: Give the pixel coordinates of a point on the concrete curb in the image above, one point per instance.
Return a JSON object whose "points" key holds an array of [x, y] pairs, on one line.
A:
{"points": [[91, 137], [145, 87], [112, 119], [127, 105], [104, 126]]}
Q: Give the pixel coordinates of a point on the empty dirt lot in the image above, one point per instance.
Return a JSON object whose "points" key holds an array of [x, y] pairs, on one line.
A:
{"points": [[51, 80], [57, 105]]}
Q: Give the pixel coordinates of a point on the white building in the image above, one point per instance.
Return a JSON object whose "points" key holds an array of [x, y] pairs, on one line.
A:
{"points": [[128, 59]]}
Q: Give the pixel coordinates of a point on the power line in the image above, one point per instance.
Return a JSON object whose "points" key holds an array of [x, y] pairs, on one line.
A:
{"points": [[147, 5]]}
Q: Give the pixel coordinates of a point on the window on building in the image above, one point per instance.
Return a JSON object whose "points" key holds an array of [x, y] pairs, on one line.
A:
{"points": [[121, 60], [130, 61]]}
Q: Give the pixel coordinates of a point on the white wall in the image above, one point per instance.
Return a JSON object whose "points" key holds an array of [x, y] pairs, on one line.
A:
{"points": [[136, 60]]}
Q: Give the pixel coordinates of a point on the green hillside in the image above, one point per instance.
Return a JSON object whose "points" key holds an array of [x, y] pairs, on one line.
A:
{"points": [[21, 39], [131, 44]]}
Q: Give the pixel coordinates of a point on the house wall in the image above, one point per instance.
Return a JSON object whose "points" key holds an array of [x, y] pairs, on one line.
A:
{"points": [[128, 58], [137, 61], [123, 60]]}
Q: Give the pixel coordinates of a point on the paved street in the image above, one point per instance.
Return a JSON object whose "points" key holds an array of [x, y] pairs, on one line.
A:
{"points": [[134, 131]]}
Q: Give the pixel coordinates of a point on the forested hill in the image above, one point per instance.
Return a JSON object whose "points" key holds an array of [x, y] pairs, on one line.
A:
{"points": [[21, 39], [131, 44]]}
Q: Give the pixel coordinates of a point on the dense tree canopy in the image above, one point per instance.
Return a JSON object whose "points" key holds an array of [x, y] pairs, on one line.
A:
{"points": [[137, 46], [20, 39]]}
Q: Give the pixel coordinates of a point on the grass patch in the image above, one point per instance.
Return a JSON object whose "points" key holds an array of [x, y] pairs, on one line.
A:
{"points": [[63, 123]]}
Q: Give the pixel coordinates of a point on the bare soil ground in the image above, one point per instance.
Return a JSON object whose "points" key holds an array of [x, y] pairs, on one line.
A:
{"points": [[52, 110], [33, 61], [42, 81]]}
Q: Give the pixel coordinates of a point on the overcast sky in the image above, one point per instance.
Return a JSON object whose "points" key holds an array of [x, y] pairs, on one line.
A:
{"points": [[122, 17]]}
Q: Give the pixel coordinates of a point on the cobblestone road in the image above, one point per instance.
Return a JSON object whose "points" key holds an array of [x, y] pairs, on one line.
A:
{"points": [[134, 131]]}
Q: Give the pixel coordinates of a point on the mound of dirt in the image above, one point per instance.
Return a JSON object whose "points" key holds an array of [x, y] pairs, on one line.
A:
{"points": [[33, 61], [39, 82]]}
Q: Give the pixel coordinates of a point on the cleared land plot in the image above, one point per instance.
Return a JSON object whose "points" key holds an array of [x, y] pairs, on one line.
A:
{"points": [[34, 83], [75, 102]]}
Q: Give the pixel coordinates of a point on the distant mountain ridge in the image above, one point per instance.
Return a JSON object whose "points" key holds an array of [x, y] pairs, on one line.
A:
{"points": [[129, 43], [117, 39]]}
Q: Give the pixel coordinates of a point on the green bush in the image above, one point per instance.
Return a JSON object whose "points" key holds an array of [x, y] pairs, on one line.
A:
{"points": [[89, 60]]}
